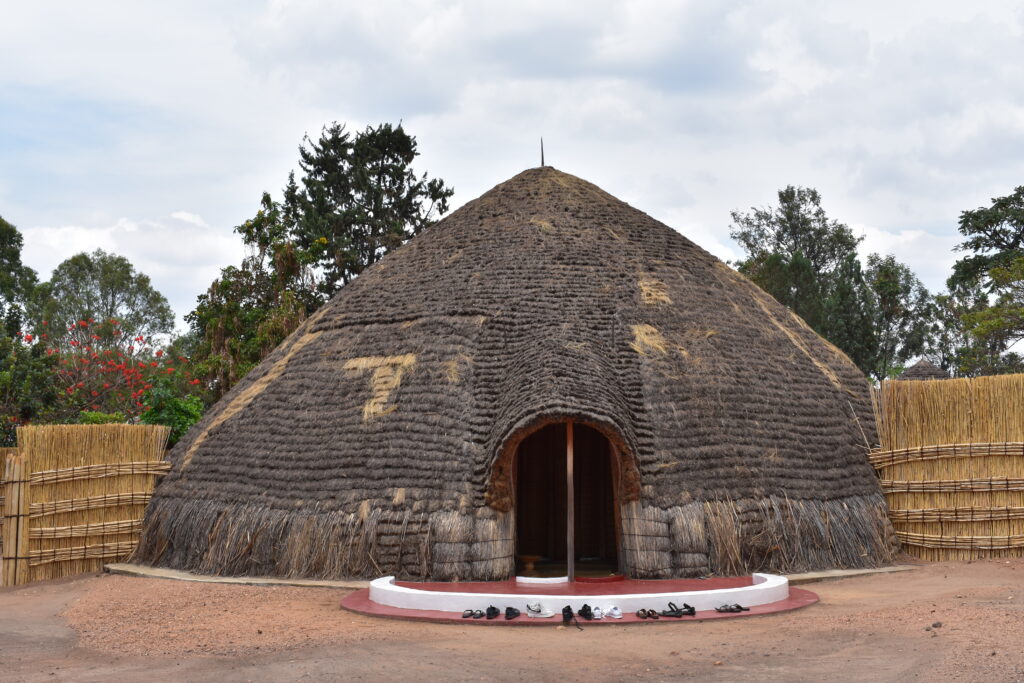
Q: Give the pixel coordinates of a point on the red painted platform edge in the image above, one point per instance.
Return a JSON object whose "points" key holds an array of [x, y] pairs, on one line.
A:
{"points": [[359, 602]]}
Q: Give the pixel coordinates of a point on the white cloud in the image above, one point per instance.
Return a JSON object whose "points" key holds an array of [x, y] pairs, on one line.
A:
{"points": [[902, 114]]}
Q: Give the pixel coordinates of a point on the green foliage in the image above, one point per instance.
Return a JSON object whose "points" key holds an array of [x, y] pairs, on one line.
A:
{"points": [[102, 286], [995, 235], [357, 199], [950, 344], [879, 317], [850, 314], [16, 281], [981, 332], [903, 312], [26, 390], [167, 406], [94, 417]]}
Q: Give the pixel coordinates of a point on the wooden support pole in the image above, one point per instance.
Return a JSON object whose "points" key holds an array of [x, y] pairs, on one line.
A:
{"points": [[570, 531], [16, 501]]}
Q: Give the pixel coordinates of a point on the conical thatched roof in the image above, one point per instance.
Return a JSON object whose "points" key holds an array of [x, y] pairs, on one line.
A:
{"points": [[377, 438], [924, 369]]}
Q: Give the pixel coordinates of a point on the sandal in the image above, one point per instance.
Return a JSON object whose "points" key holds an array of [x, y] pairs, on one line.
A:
{"points": [[672, 611], [478, 614], [689, 610], [641, 613], [467, 614]]}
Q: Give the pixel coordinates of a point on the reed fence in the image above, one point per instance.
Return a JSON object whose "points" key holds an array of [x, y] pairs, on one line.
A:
{"points": [[951, 465], [73, 497]]}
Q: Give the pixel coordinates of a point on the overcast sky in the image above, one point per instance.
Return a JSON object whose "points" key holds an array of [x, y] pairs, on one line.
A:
{"points": [[151, 129]]}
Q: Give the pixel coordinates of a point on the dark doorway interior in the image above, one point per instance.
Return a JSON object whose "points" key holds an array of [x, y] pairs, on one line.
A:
{"points": [[541, 501]]}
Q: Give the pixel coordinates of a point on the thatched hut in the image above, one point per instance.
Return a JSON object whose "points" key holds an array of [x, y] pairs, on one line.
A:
{"points": [[417, 423], [924, 369]]}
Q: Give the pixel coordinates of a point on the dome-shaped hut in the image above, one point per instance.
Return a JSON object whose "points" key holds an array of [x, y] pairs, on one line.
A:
{"points": [[418, 423], [924, 369]]}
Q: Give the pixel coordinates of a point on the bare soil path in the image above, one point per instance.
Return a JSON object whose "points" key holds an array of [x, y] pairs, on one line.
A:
{"points": [[870, 628]]}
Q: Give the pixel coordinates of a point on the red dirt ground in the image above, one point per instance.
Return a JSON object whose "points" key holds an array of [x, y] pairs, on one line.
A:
{"points": [[871, 628]]}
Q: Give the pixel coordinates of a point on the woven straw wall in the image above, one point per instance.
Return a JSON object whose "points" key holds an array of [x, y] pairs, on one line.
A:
{"points": [[951, 465], [82, 493]]}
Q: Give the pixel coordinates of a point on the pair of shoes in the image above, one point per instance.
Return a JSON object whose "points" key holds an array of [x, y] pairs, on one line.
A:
{"points": [[613, 612], [648, 614], [586, 612], [491, 613], [538, 610], [568, 616], [732, 608], [677, 612]]}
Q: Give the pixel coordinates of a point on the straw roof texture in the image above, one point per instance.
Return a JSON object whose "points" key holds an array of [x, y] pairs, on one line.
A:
{"points": [[378, 438], [924, 369]]}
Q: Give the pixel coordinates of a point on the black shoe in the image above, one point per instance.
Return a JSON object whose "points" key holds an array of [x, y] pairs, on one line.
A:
{"points": [[492, 612], [672, 611], [586, 612], [566, 614], [511, 613]]}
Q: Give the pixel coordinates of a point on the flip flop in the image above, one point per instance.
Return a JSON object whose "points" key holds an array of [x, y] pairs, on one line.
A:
{"points": [[641, 613], [467, 614], [478, 614]]}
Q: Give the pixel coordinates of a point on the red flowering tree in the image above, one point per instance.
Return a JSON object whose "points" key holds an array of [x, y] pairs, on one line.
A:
{"points": [[100, 369]]}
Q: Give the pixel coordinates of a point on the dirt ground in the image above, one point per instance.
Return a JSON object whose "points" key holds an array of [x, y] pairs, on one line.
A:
{"points": [[883, 627]]}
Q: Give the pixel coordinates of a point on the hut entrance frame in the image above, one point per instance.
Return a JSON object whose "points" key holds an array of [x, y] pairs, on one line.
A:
{"points": [[567, 497]]}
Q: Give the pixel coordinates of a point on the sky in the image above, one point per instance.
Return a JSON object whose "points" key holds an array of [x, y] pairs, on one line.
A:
{"points": [[151, 129]]}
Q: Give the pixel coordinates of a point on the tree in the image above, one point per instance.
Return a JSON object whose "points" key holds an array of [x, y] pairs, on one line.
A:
{"points": [[903, 311], [950, 344], [808, 262], [994, 233], [102, 287], [797, 226], [16, 280], [357, 199], [879, 317], [850, 313]]}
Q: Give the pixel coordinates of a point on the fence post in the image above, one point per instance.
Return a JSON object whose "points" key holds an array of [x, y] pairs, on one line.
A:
{"points": [[15, 529]]}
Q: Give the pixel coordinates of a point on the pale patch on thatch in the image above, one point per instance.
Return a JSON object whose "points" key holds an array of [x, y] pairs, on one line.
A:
{"points": [[451, 367], [251, 392], [386, 377], [399, 497], [653, 292], [647, 338], [544, 225]]}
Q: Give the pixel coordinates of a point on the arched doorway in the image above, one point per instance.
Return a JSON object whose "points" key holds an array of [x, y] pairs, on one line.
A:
{"points": [[543, 460]]}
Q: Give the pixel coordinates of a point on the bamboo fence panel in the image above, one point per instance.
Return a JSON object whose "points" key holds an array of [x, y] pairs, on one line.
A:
{"points": [[85, 488], [951, 465], [4, 452]]}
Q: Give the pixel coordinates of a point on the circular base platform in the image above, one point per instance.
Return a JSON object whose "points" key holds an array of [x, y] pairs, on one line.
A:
{"points": [[444, 602]]}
